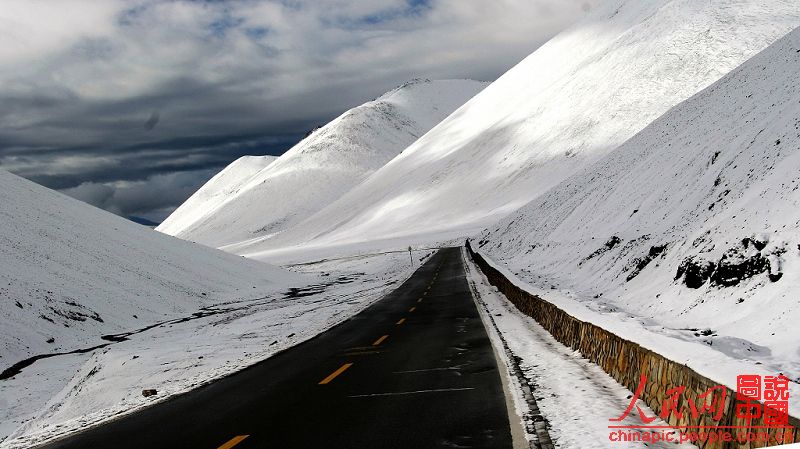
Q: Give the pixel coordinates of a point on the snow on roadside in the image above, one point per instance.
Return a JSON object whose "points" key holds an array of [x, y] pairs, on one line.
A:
{"points": [[86, 389], [575, 396]]}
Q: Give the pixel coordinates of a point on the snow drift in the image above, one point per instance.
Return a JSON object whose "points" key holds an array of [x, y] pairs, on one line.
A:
{"points": [[692, 227], [565, 106], [321, 168]]}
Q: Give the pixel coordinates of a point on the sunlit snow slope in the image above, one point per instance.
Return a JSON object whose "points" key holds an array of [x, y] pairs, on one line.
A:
{"points": [[322, 167], [692, 225], [569, 103], [72, 273], [216, 191]]}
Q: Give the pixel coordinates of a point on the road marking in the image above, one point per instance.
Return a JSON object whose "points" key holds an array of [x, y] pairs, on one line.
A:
{"points": [[425, 294], [402, 393], [363, 352], [419, 300], [233, 441], [428, 369], [333, 375], [412, 309], [380, 340], [400, 321]]}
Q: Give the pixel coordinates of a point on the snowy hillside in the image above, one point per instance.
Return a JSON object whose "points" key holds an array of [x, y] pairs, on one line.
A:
{"points": [[96, 308], [73, 273], [569, 103], [322, 167], [222, 186], [691, 228]]}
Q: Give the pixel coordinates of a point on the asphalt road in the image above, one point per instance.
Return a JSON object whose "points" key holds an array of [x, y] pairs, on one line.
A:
{"points": [[415, 370]]}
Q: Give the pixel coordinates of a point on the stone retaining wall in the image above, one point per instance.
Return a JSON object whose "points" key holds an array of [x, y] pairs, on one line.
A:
{"points": [[626, 362]]}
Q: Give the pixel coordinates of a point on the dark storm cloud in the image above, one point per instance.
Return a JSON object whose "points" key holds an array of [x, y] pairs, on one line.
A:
{"points": [[130, 105], [137, 198]]}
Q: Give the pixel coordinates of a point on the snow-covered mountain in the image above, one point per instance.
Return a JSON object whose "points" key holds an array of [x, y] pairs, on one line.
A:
{"points": [[569, 103], [223, 186], [73, 273], [321, 168], [692, 226]]}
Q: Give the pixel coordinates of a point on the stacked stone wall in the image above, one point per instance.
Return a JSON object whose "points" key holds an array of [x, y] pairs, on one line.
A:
{"points": [[627, 362]]}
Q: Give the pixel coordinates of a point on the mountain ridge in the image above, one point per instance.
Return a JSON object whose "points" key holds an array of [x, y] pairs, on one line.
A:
{"points": [[324, 165]]}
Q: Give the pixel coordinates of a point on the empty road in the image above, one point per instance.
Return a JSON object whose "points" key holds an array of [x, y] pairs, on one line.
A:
{"points": [[415, 370]]}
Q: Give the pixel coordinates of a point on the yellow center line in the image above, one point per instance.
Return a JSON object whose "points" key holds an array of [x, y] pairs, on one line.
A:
{"points": [[233, 441], [412, 309], [333, 375], [401, 321], [380, 340]]}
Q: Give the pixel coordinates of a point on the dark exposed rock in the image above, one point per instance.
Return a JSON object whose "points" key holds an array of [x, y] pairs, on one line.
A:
{"points": [[695, 272], [732, 270], [736, 265], [607, 246], [641, 262], [149, 392], [759, 244], [77, 315]]}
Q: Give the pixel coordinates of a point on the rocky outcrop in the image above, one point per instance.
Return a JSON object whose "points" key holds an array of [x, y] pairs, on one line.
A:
{"points": [[739, 263]]}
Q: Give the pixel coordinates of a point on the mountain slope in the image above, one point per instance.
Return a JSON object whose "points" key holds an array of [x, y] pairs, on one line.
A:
{"points": [[323, 166], [216, 191], [72, 273], [693, 224], [569, 103]]}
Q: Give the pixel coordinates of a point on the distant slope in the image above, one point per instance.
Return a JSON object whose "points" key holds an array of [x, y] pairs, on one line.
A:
{"points": [[216, 191], [322, 167], [569, 103], [72, 273], [142, 221], [693, 224]]}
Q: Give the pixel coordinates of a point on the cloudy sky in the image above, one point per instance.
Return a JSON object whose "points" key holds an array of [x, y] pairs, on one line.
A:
{"points": [[131, 105]]}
